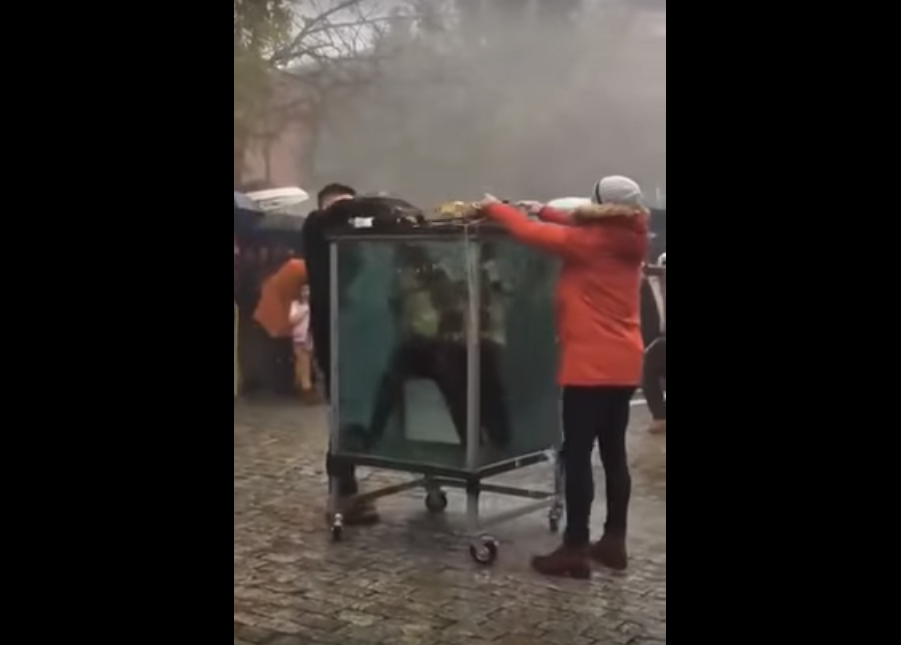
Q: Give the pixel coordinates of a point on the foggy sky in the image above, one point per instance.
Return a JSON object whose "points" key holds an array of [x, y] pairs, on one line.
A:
{"points": [[531, 110]]}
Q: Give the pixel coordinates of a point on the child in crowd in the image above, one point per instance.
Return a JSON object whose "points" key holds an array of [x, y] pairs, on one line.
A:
{"points": [[303, 347]]}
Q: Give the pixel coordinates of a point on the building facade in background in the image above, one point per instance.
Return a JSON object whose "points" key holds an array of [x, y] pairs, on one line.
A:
{"points": [[276, 156], [278, 160]]}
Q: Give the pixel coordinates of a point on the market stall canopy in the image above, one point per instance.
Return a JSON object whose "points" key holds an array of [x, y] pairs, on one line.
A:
{"points": [[284, 209]]}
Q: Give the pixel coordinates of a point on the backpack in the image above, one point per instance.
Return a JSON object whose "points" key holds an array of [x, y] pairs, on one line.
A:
{"points": [[380, 213]]}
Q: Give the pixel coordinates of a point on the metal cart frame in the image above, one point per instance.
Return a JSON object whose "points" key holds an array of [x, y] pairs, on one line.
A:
{"points": [[484, 548]]}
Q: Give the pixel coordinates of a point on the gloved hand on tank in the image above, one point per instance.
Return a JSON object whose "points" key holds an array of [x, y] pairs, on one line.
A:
{"points": [[530, 206], [488, 200]]}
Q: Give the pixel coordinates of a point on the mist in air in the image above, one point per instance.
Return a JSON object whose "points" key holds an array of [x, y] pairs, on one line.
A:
{"points": [[533, 107]]}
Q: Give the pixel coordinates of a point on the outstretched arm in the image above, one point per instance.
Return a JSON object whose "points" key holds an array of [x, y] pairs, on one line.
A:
{"points": [[560, 240], [547, 213], [555, 216]]}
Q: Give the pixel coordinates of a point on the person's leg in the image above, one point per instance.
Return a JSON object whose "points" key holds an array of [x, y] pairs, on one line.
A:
{"points": [[253, 356], [267, 365], [450, 374], [340, 473], [411, 360], [343, 475], [653, 384], [580, 433], [614, 410], [495, 414], [279, 365], [303, 374], [298, 369], [284, 360], [346, 477], [304, 368]]}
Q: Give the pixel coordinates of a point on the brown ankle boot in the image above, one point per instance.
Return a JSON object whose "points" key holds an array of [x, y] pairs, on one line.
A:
{"points": [[360, 513], [611, 552], [565, 562]]}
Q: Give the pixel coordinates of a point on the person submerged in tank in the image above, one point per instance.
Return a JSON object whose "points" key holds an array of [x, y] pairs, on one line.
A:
{"points": [[432, 308]]}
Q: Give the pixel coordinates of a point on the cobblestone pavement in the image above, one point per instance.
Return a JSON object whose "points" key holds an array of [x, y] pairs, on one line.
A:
{"points": [[410, 581]]}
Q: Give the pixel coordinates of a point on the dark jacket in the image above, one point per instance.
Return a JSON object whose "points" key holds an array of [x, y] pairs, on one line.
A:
{"points": [[316, 254], [387, 213], [653, 308]]}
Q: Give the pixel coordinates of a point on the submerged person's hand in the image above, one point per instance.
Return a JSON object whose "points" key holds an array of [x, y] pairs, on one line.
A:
{"points": [[489, 200]]}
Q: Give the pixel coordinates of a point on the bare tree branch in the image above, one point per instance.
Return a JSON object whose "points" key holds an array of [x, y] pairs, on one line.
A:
{"points": [[336, 49], [311, 26]]}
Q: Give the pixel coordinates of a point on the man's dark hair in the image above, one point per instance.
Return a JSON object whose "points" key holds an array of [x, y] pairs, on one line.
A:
{"points": [[334, 190]]}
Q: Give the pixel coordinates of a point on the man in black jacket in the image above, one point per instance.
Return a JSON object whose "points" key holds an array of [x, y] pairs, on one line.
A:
{"points": [[330, 215]]}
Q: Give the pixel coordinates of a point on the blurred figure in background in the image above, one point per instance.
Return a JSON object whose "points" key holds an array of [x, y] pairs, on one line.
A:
{"points": [[654, 380], [655, 384], [251, 337], [303, 348], [603, 248], [280, 288]]}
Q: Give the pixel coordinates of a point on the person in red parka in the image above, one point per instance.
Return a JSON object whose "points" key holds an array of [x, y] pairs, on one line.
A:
{"points": [[603, 247]]}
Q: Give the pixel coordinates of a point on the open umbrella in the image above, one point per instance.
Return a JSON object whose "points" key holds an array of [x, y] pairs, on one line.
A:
{"points": [[247, 214]]}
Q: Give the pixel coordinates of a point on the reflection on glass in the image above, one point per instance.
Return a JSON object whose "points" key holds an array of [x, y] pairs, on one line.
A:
{"points": [[403, 351]]}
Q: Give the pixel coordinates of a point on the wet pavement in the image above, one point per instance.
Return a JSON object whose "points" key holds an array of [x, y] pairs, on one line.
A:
{"points": [[410, 581]]}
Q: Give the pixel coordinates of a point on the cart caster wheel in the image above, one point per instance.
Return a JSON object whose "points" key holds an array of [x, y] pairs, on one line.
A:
{"points": [[338, 528], [485, 551], [555, 526], [436, 501]]}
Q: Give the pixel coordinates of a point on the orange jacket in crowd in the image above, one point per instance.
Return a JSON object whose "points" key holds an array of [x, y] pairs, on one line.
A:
{"points": [[279, 290], [603, 248]]}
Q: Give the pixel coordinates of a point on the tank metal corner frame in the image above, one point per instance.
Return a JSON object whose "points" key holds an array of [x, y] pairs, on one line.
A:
{"points": [[334, 445], [473, 356]]}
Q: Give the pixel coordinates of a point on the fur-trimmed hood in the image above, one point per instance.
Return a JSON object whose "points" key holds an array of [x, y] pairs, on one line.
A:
{"points": [[600, 213]]}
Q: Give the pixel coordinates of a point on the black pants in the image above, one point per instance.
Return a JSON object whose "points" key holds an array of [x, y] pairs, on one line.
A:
{"points": [[654, 384], [344, 474], [279, 366], [445, 363], [596, 415]]}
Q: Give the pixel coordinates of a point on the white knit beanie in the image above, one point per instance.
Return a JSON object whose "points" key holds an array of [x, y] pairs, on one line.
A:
{"points": [[617, 190], [569, 204]]}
